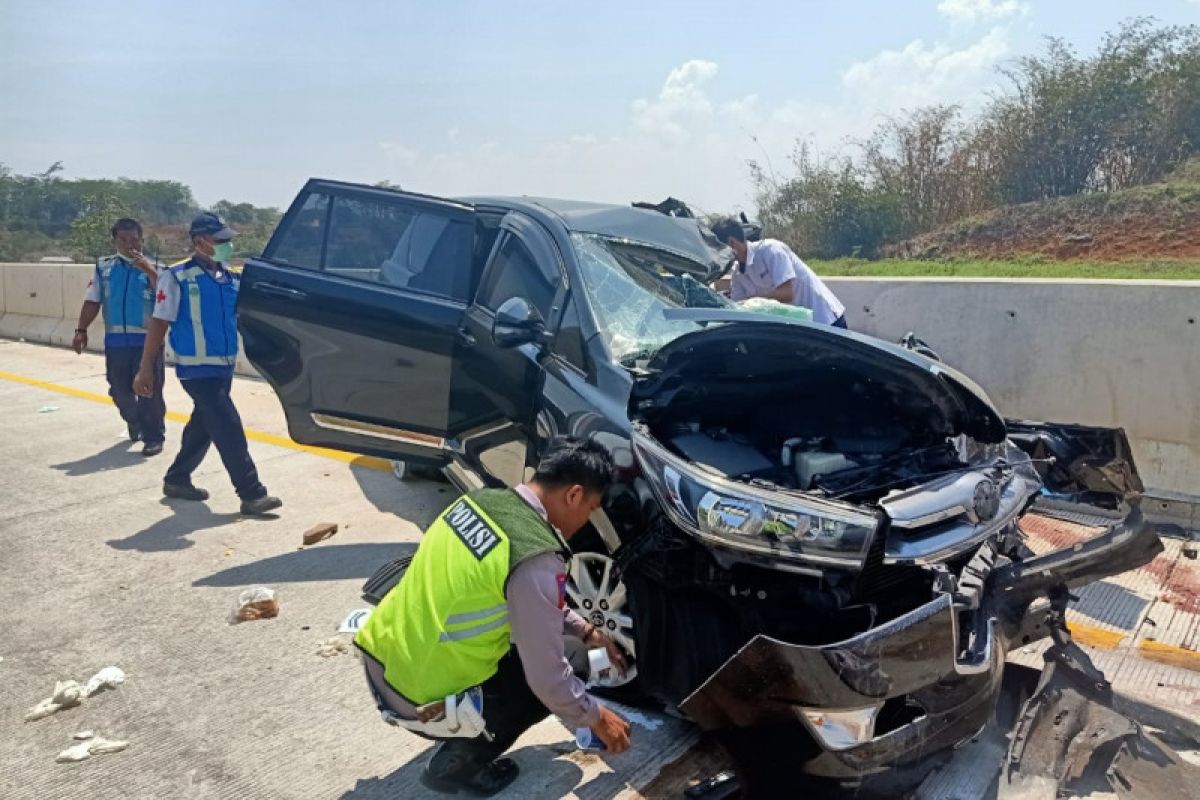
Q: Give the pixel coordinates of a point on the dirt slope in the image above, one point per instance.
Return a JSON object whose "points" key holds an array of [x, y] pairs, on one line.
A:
{"points": [[1155, 221]]}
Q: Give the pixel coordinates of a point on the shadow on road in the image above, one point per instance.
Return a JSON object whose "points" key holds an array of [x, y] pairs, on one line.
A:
{"points": [[556, 777], [171, 532], [418, 499], [113, 457], [324, 563]]}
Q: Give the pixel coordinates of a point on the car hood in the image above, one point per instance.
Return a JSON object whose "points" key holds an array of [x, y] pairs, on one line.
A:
{"points": [[965, 405]]}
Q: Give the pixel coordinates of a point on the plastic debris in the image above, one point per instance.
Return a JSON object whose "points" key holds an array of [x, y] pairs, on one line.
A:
{"points": [[67, 694], [336, 646], [84, 735], [320, 532], [354, 620], [256, 603], [47, 409], [763, 305], [107, 678]]}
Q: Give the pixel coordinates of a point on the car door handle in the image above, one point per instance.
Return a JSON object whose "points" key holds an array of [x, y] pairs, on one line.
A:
{"points": [[281, 291], [466, 337]]}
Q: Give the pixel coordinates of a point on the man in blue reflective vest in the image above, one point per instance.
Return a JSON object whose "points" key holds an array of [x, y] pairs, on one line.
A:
{"points": [[123, 288], [197, 300]]}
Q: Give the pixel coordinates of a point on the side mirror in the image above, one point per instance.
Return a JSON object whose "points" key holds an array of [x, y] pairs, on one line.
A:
{"points": [[517, 323]]}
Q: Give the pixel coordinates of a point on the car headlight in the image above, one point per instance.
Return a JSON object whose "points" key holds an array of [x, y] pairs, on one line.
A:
{"points": [[746, 517]]}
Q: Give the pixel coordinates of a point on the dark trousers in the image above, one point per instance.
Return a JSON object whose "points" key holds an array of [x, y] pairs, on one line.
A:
{"points": [[509, 708], [143, 413], [215, 420]]}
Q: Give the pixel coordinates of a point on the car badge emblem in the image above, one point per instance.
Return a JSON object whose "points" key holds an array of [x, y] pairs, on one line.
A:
{"points": [[987, 500]]}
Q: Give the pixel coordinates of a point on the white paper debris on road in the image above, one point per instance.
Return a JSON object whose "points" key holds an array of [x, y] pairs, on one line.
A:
{"points": [[107, 678], [76, 752], [333, 647], [92, 747], [83, 735], [67, 694]]}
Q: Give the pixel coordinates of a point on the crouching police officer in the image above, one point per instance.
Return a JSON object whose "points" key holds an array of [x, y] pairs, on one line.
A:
{"points": [[197, 299], [123, 288], [474, 645]]}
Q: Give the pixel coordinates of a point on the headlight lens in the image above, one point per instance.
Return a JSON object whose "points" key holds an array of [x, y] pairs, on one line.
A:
{"points": [[841, 730], [748, 518]]}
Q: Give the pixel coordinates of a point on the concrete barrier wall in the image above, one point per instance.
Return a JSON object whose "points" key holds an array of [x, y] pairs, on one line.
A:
{"points": [[41, 303], [1118, 353], [1114, 353]]}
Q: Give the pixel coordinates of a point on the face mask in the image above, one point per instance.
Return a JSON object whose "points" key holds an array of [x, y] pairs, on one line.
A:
{"points": [[222, 251]]}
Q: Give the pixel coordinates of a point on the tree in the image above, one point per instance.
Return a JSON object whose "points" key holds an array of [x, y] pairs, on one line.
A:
{"points": [[91, 233]]}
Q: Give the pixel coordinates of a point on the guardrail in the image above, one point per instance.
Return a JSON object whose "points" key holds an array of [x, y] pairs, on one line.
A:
{"points": [[1114, 353], [1117, 353]]}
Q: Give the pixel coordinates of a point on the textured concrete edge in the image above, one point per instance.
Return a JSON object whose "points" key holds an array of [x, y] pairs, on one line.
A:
{"points": [[370, 462]]}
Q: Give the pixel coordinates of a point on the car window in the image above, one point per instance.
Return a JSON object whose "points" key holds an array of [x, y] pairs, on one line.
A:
{"points": [[299, 242], [515, 273], [413, 247], [568, 342]]}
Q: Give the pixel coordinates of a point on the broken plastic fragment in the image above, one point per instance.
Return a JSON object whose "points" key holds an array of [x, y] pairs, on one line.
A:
{"points": [[47, 409], [107, 678], [83, 735]]}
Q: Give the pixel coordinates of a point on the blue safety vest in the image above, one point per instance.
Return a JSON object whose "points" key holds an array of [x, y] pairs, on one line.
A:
{"points": [[127, 300], [204, 335]]}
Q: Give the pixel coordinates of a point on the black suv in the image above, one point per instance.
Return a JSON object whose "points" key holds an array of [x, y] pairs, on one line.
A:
{"points": [[814, 534]]}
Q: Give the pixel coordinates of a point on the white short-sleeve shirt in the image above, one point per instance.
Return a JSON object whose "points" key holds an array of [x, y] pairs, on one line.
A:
{"points": [[770, 264]]}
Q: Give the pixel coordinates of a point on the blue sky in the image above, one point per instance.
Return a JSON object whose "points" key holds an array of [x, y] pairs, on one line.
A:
{"points": [[611, 101]]}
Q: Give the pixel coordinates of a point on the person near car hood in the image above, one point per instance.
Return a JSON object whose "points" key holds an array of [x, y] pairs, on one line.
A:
{"points": [[770, 269], [122, 287], [204, 337], [474, 645]]}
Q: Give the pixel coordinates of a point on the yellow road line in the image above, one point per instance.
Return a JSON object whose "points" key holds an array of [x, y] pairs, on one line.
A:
{"points": [[370, 462], [1104, 639]]}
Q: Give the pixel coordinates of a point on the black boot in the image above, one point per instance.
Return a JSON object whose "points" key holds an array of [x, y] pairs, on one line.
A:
{"points": [[455, 769]]}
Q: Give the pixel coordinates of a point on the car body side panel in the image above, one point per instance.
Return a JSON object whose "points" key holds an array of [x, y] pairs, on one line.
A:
{"points": [[366, 353]]}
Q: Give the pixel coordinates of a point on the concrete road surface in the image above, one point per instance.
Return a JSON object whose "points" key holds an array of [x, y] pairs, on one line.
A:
{"points": [[98, 569]]}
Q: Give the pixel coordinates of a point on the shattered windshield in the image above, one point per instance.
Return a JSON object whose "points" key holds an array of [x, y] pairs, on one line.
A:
{"points": [[630, 285]]}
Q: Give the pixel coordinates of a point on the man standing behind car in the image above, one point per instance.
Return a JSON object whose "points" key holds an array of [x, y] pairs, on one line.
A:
{"points": [[123, 289], [197, 300], [474, 645], [770, 269]]}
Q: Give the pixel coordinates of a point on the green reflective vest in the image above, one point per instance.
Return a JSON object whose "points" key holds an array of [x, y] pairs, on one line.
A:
{"points": [[444, 627]]}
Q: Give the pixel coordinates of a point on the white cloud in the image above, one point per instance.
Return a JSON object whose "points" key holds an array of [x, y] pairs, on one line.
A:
{"points": [[924, 74], [976, 10], [680, 104], [689, 142], [399, 153]]}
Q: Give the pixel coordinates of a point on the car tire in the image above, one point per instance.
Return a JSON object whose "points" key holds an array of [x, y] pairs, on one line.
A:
{"points": [[406, 472], [590, 549]]}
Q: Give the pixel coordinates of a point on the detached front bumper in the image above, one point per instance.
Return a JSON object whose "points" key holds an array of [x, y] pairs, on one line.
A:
{"points": [[940, 664]]}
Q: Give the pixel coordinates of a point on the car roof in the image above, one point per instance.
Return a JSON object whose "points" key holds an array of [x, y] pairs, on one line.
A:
{"points": [[683, 236]]}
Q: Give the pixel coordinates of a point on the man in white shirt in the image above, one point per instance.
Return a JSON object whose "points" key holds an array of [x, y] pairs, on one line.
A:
{"points": [[770, 269]]}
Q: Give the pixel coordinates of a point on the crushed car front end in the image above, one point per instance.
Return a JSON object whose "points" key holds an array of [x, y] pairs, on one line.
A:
{"points": [[900, 574]]}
